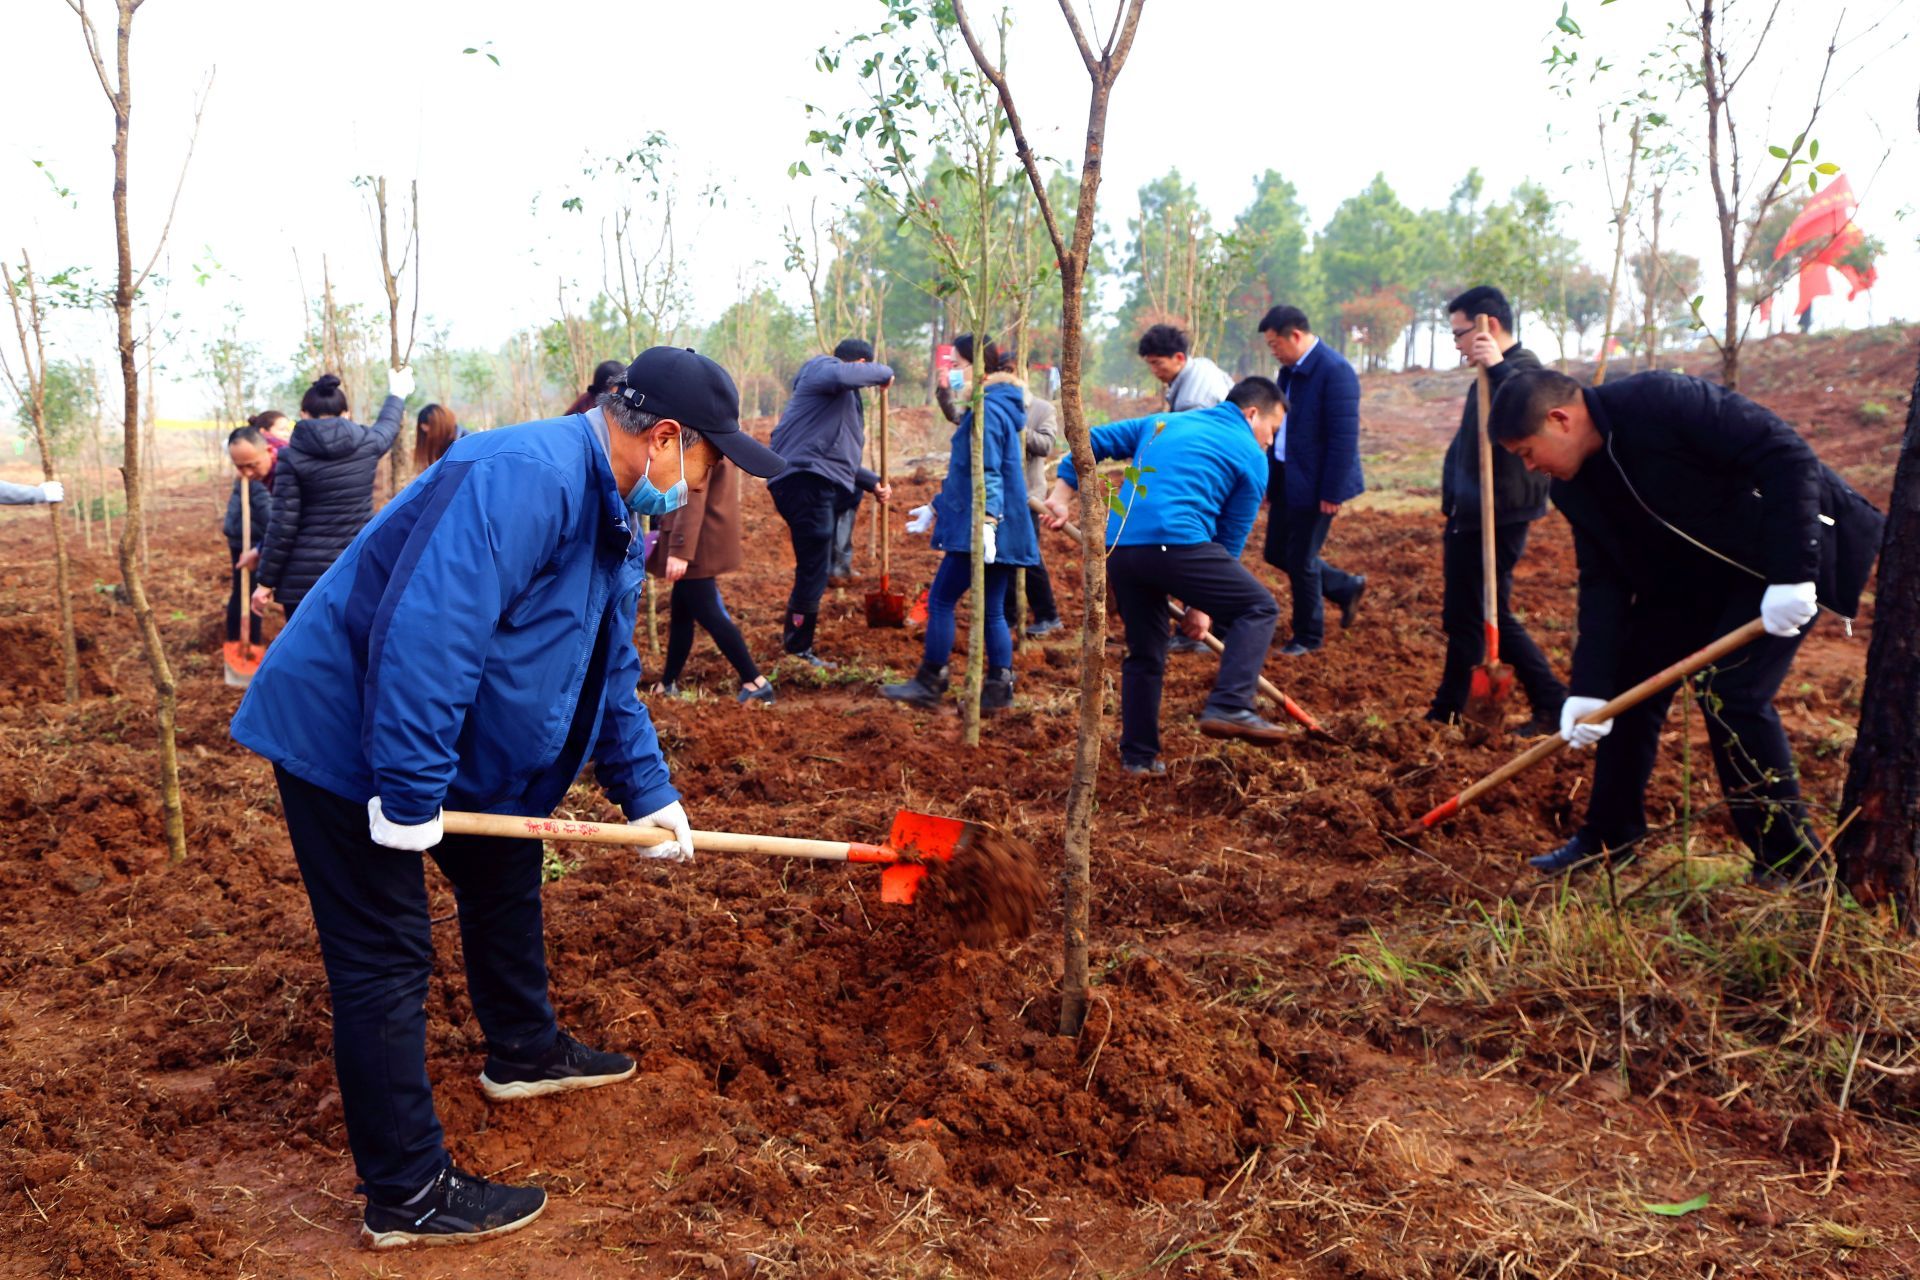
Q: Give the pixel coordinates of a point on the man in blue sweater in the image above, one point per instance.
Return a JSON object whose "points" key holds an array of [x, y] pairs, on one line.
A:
{"points": [[470, 649], [1321, 472], [1202, 477], [821, 435]]}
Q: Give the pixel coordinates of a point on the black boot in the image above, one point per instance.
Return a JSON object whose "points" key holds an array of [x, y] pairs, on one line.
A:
{"points": [[996, 693], [928, 686], [796, 637]]}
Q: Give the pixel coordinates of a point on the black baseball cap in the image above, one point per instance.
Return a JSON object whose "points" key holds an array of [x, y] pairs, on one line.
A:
{"points": [[682, 384]]}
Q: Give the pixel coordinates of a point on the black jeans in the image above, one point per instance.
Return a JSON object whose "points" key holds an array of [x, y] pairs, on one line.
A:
{"points": [[845, 515], [238, 607], [1206, 578], [1312, 578], [811, 506], [1750, 749], [1463, 617], [1041, 606], [1273, 548], [698, 600], [376, 939]]}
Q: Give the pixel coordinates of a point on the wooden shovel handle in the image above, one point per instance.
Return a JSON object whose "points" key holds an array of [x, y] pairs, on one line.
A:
{"points": [[515, 827], [1490, 596], [1689, 665], [1213, 642], [246, 575], [886, 521]]}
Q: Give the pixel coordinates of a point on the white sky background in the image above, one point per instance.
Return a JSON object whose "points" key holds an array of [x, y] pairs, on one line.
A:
{"points": [[309, 95]]}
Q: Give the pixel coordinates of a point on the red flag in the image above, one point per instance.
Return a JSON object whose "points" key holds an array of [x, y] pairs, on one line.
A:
{"points": [[1825, 215], [1766, 309], [1813, 284]]}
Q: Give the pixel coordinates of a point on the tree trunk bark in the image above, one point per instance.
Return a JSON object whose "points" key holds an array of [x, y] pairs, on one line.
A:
{"points": [[1878, 851], [132, 529]]}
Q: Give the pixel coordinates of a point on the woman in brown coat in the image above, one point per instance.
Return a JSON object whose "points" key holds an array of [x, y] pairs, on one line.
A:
{"points": [[696, 544]]}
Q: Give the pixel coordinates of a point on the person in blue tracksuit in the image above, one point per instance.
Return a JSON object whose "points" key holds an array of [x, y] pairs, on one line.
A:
{"points": [[1009, 537], [470, 649], [1180, 533]]}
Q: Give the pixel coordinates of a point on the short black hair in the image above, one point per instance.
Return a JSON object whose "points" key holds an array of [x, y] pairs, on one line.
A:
{"points": [[249, 433], [605, 374], [851, 349], [1520, 407], [1257, 393], [324, 399], [1164, 340], [1484, 300], [1284, 319]]}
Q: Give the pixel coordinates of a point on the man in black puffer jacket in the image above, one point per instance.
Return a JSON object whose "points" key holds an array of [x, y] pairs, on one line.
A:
{"points": [[1519, 498], [323, 488]]}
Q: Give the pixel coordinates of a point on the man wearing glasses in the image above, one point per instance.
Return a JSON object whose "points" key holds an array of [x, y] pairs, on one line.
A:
{"points": [[1519, 498]]}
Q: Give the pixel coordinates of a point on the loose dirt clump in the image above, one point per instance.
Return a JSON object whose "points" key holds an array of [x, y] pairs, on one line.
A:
{"points": [[990, 892]]}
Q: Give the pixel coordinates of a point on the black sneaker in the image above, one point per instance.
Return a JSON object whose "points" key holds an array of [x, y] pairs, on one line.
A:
{"points": [[1044, 627], [1294, 649], [1248, 726], [1582, 853], [568, 1065], [1144, 768], [761, 695], [456, 1208], [813, 660]]}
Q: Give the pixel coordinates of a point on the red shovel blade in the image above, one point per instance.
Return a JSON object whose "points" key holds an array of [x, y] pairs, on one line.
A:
{"points": [[920, 838]]}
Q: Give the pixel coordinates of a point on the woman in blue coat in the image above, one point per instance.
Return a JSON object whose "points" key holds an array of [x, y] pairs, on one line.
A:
{"points": [[1009, 536]]}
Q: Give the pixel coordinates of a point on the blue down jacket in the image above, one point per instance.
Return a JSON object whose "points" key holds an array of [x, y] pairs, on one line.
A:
{"points": [[474, 644], [1004, 453]]}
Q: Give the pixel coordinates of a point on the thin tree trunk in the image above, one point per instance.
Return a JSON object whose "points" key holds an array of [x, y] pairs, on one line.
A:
{"points": [[1649, 335], [1619, 243]]}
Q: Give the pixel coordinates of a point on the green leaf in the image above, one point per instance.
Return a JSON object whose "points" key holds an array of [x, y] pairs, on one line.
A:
{"points": [[1113, 505], [1827, 167], [1813, 182], [1813, 149], [1798, 139], [1778, 153], [1566, 23], [1682, 1209]]}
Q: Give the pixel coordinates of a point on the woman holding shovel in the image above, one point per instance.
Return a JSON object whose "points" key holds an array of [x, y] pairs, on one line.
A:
{"points": [[697, 544], [1008, 537]]}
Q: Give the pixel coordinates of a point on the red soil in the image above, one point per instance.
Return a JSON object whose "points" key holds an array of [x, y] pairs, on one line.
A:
{"points": [[828, 1087]]}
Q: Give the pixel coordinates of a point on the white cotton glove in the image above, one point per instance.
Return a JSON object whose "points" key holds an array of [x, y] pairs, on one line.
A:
{"points": [[1583, 735], [922, 519], [394, 835], [1787, 607], [987, 543], [53, 491], [672, 818], [400, 382]]}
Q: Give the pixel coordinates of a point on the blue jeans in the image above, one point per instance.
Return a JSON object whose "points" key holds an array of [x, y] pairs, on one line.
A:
{"points": [[950, 586]]}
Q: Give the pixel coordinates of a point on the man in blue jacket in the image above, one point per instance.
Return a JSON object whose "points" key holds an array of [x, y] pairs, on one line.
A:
{"points": [[1322, 472], [470, 649], [821, 435], [1693, 510], [1180, 533]]}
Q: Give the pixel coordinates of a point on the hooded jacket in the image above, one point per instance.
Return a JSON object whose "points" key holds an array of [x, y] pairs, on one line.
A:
{"points": [[474, 645], [1003, 452], [323, 496], [1519, 495], [822, 429]]}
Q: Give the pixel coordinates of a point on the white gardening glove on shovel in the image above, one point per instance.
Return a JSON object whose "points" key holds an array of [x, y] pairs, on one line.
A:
{"points": [[672, 818], [1582, 735], [414, 838]]}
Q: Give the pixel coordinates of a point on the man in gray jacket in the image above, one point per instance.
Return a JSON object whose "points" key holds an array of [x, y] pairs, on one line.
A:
{"points": [[821, 435], [1192, 382]]}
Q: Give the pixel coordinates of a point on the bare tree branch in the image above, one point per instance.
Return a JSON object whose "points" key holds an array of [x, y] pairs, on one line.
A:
{"points": [[1021, 146], [93, 49], [192, 139]]}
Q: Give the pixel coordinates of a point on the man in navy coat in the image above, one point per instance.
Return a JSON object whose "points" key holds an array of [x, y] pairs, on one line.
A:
{"points": [[470, 649], [1321, 448]]}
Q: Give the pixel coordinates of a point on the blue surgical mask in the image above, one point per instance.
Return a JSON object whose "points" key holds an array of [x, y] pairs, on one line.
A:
{"points": [[646, 500]]}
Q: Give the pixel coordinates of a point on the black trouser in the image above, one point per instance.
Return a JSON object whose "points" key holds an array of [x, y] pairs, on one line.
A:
{"points": [[1273, 548], [1041, 606], [1463, 616], [376, 939], [238, 607], [845, 514], [810, 505], [1750, 749], [1310, 577], [698, 600], [1207, 578]]}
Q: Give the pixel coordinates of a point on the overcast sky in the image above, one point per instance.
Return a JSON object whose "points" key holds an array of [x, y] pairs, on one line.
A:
{"points": [[308, 95]]}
